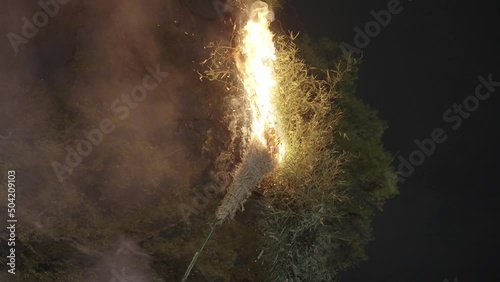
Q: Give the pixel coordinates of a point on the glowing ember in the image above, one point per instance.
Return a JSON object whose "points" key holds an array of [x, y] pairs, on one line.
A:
{"points": [[258, 77]]}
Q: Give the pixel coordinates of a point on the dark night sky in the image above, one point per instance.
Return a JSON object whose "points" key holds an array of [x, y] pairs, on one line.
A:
{"points": [[443, 224]]}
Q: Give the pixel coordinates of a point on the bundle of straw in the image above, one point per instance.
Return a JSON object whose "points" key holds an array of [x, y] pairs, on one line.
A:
{"points": [[256, 164]]}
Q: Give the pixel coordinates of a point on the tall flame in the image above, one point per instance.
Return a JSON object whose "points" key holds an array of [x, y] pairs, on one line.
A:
{"points": [[258, 77]]}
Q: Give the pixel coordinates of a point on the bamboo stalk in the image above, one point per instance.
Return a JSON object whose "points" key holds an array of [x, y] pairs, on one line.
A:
{"points": [[197, 254]]}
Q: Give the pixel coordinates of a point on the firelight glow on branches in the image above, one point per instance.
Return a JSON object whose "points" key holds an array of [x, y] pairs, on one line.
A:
{"points": [[258, 77], [266, 144]]}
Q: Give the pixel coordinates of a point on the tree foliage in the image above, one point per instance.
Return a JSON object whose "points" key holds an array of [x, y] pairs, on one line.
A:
{"points": [[315, 240]]}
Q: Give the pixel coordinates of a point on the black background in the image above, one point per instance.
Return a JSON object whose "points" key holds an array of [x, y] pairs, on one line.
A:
{"points": [[443, 224]]}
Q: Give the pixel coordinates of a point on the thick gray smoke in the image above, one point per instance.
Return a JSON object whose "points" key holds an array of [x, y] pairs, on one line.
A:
{"points": [[84, 135]]}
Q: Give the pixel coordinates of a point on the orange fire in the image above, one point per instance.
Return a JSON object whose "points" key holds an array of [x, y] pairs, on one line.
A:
{"points": [[259, 79]]}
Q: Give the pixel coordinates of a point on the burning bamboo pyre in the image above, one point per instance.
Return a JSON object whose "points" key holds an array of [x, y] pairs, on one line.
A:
{"points": [[266, 146]]}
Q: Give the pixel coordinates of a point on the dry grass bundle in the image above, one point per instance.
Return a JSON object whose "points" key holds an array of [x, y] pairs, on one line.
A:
{"points": [[256, 164]]}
